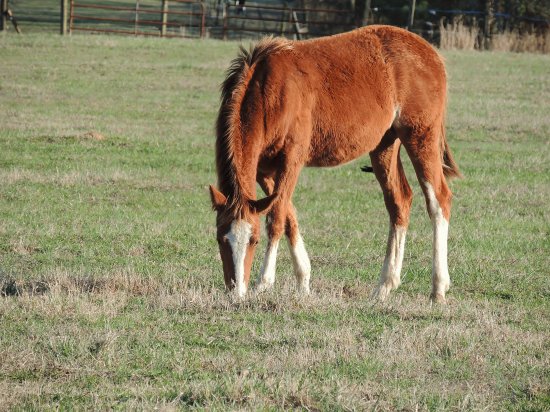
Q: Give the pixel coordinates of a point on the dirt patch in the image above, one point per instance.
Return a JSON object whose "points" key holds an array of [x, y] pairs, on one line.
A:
{"points": [[93, 135]]}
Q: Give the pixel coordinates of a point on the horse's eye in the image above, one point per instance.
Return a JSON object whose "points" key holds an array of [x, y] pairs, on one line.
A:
{"points": [[253, 241]]}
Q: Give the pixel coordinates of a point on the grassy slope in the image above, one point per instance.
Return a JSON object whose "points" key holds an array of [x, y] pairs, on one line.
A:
{"points": [[108, 257]]}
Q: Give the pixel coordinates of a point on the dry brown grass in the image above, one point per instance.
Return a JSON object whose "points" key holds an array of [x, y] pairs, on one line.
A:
{"points": [[458, 36], [513, 41], [93, 135], [464, 340]]}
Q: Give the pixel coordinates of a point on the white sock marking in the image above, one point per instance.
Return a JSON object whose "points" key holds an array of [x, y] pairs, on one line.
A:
{"points": [[301, 263], [239, 238], [267, 271], [440, 271], [390, 277]]}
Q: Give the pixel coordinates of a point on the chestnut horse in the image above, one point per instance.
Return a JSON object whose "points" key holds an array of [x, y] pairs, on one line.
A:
{"points": [[324, 102]]}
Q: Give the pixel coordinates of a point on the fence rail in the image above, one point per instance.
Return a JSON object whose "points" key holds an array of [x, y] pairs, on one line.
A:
{"points": [[285, 21], [137, 19]]}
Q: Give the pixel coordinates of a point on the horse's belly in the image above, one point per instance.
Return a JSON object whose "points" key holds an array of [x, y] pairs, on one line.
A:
{"points": [[330, 150], [343, 134]]}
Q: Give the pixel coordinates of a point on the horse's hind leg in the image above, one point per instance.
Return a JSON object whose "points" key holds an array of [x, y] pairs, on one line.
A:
{"points": [[300, 259], [425, 152], [398, 197]]}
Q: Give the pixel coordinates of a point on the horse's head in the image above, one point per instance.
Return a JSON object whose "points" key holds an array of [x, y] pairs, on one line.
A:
{"points": [[238, 234]]}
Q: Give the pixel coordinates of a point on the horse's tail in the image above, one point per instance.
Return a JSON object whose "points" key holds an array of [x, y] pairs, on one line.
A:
{"points": [[450, 168]]}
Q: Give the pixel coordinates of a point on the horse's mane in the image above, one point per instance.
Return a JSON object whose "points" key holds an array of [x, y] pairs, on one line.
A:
{"points": [[228, 127]]}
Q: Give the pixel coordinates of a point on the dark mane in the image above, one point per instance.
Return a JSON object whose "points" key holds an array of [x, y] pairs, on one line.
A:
{"points": [[228, 126]]}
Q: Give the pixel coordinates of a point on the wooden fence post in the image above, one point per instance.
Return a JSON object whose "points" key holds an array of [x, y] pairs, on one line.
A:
{"points": [[225, 12], [367, 12], [63, 17], [411, 15], [164, 17], [361, 12], [136, 19], [3, 15], [489, 8], [71, 17]]}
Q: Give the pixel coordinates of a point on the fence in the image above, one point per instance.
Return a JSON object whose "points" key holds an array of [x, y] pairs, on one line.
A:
{"points": [[178, 18], [174, 18], [188, 18], [284, 21]]}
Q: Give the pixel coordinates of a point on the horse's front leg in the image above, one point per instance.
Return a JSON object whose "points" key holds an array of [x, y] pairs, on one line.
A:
{"points": [[266, 278], [282, 219]]}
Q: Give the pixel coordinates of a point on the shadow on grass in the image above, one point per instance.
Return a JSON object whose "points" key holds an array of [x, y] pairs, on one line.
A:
{"points": [[10, 286]]}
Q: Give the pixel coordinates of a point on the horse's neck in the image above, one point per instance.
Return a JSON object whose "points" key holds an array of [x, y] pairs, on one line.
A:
{"points": [[237, 180], [238, 150]]}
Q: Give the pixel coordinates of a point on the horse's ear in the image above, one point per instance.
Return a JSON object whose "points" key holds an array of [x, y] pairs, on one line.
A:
{"points": [[218, 198], [262, 206]]}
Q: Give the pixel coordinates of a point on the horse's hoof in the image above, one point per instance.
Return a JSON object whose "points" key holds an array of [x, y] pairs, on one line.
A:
{"points": [[262, 287], [381, 292], [303, 290], [438, 298]]}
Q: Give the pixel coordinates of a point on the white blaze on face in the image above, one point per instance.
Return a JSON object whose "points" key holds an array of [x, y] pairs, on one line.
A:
{"points": [[239, 238], [440, 271]]}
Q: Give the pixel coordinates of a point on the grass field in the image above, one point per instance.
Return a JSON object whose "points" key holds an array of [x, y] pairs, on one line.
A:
{"points": [[112, 290]]}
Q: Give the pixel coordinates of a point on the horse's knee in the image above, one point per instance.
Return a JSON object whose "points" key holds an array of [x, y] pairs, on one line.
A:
{"points": [[291, 229], [407, 194], [398, 203], [405, 201], [276, 226]]}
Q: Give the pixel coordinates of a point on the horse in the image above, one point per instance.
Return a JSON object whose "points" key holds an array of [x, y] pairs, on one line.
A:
{"points": [[324, 102]]}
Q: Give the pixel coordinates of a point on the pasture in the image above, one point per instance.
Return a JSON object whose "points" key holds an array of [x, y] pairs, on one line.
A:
{"points": [[111, 288]]}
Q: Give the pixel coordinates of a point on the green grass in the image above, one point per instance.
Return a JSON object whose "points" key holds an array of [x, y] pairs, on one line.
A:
{"points": [[113, 291]]}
